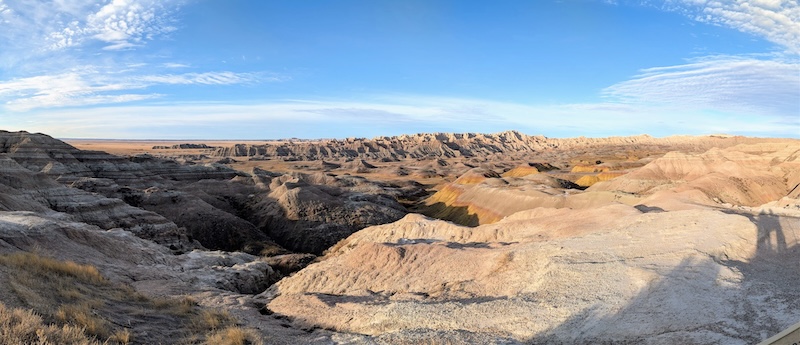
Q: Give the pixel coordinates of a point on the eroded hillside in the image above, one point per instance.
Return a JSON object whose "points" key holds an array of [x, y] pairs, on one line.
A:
{"points": [[630, 239]]}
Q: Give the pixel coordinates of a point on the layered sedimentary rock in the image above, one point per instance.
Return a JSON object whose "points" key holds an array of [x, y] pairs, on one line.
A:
{"points": [[140, 193], [24, 190], [183, 147], [210, 204], [747, 175], [309, 213], [480, 196], [705, 252], [455, 145]]}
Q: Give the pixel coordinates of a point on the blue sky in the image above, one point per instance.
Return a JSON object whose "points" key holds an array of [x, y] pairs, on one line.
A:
{"points": [[236, 69]]}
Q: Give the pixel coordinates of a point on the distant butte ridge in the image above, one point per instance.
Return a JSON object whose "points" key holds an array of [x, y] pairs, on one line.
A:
{"points": [[441, 145]]}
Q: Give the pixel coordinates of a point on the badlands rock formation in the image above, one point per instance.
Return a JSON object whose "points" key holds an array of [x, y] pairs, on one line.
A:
{"points": [[146, 222], [310, 213], [689, 240], [691, 249], [199, 204], [451, 145]]}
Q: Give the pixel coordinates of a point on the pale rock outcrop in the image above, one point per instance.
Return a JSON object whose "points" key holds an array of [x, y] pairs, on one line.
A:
{"points": [[123, 256], [695, 276]]}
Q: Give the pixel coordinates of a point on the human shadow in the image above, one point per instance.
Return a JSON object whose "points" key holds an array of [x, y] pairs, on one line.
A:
{"points": [[768, 224], [704, 298], [664, 307]]}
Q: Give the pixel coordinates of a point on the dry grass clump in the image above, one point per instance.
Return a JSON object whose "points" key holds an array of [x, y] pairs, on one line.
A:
{"points": [[211, 320], [234, 336], [36, 264], [218, 327], [20, 326], [83, 316], [121, 336], [183, 306], [77, 301], [62, 291]]}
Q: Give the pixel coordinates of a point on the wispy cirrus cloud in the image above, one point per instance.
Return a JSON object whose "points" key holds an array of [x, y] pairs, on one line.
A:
{"points": [[386, 115], [210, 78], [175, 65], [767, 88], [87, 86]]}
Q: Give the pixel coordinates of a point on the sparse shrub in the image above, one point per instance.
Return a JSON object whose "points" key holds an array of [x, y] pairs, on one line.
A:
{"points": [[211, 320], [234, 336], [82, 316], [122, 336]]}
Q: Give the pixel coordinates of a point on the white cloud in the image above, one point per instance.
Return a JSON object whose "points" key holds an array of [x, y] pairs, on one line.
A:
{"points": [[775, 20], [729, 84], [61, 24], [42, 42], [385, 115], [88, 86], [4, 10], [208, 78], [69, 100], [175, 65], [128, 23]]}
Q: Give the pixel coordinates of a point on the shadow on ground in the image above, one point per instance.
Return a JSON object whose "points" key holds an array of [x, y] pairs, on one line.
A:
{"points": [[692, 304]]}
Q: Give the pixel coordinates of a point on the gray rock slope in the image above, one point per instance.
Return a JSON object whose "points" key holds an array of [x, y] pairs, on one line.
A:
{"points": [[186, 205]]}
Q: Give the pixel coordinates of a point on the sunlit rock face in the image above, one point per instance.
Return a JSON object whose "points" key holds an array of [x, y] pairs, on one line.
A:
{"points": [[705, 252]]}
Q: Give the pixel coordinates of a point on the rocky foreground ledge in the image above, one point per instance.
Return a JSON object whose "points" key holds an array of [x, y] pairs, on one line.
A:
{"points": [[689, 240]]}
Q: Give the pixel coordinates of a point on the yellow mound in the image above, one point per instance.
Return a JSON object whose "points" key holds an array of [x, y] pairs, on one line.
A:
{"points": [[475, 176], [589, 180], [491, 200], [520, 171], [589, 168]]}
